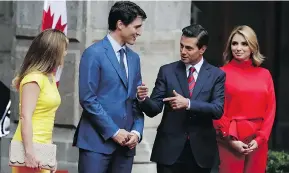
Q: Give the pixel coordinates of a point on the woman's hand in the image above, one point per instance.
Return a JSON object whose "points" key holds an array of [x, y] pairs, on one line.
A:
{"points": [[253, 145], [31, 161], [54, 171], [240, 147]]}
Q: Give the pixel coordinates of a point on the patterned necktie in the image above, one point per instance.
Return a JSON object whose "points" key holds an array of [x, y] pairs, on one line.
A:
{"points": [[191, 80], [121, 62]]}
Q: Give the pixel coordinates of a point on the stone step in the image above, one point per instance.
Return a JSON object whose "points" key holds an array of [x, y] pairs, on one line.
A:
{"points": [[72, 167], [67, 156], [63, 139]]}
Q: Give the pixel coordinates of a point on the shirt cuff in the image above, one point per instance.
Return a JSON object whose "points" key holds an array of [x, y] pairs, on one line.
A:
{"points": [[139, 99], [115, 133], [189, 105], [137, 133]]}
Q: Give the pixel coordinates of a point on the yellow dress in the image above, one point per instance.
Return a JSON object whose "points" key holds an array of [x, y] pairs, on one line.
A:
{"points": [[44, 114]]}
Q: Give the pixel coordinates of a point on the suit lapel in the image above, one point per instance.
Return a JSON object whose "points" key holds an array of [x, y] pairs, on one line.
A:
{"points": [[182, 78], [113, 59], [201, 80]]}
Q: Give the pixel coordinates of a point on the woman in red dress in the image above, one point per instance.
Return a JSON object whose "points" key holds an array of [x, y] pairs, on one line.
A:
{"points": [[249, 109]]}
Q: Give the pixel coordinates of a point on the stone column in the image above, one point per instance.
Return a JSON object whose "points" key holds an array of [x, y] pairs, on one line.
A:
{"points": [[158, 45], [28, 17], [87, 22], [27, 24], [5, 46], [24, 27], [6, 34], [69, 112]]}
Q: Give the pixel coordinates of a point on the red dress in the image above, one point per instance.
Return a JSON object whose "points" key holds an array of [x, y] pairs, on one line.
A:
{"points": [[249, 113]]}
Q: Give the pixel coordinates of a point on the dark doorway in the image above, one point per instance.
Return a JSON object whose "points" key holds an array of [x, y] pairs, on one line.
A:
{"points": [[268, 19]]}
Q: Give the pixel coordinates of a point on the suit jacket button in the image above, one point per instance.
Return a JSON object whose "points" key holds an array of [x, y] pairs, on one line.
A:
{"points": [[124, 117]]}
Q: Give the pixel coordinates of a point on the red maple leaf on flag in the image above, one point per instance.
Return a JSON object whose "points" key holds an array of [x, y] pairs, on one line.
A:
{"points": [[47, 21], [59, 26]]}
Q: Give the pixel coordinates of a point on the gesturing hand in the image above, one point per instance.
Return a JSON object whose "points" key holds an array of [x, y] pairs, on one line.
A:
{"points": [[142, 91], [178, 101]]}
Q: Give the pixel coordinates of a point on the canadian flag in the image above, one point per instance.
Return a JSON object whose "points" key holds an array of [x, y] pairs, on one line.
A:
{"points": [[55, 16]]}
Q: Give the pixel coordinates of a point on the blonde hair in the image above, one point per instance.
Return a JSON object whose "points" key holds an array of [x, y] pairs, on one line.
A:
{"points": [[251, 38], [45, 54]]}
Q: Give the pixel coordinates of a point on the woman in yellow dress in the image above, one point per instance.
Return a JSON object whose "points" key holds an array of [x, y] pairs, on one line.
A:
{"points": [[38, 94]]}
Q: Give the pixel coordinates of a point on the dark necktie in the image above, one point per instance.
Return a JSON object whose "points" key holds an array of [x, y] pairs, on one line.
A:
{"points": [[191, 80], [121, 62]]}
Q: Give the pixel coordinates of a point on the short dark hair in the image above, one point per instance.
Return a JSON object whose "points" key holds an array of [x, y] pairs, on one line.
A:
{"points": [[197, 31], [125, 11]]}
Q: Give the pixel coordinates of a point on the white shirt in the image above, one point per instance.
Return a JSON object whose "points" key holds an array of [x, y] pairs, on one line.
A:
{"points": [[197, 67], [195, 74], [116, 47]]}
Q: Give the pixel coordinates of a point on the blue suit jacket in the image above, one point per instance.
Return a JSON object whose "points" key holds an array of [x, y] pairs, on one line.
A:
{"points": [[108, 102]]}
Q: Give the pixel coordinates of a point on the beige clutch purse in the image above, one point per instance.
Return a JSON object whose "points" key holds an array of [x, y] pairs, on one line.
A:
{"points": [[45, 153]]}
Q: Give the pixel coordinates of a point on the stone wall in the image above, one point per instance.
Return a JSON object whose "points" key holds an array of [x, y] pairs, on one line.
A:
{"points": [[6, 37]]}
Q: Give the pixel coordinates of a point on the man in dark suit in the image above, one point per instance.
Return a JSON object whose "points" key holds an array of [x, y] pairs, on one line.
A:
{"points": [[111, 124], [192, 93]]}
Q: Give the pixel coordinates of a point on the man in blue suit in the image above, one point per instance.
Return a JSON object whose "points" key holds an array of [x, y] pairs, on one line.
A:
{"points": [[111, 124], [192, 93]]}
